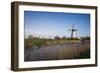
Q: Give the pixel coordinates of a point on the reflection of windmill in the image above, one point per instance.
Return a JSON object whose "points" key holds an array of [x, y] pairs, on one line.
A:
{"points": [[73, 32]]}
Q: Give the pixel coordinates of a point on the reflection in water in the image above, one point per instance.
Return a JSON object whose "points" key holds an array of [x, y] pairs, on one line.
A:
{"points": [[69, 50]]}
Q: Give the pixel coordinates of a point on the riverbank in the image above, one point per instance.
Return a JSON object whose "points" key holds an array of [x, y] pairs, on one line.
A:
{"points": [[68, 50], [45, 42]]}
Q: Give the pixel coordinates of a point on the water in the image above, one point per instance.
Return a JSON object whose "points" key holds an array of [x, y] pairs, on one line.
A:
{"points": [[69, 50]]}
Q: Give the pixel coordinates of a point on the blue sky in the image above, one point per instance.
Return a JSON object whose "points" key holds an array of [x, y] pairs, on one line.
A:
{"points": [[50, 24]]}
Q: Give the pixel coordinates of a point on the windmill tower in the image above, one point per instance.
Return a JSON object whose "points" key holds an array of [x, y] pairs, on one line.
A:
{"points": [[73, 32]]}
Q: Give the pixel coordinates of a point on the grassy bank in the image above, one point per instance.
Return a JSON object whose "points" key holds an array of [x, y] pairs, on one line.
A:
{"points": [[37, 42]]}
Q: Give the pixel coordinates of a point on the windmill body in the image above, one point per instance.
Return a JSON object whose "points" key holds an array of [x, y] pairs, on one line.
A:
{"points": [[73, 32]]}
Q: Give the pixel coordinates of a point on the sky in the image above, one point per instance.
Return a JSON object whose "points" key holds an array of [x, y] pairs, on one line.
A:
{"points": [[49, 24]]}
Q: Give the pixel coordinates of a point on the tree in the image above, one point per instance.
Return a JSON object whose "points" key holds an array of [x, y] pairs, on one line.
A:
{"points": [[85, 38], [30, 37], [57, 37], [64, 37]]}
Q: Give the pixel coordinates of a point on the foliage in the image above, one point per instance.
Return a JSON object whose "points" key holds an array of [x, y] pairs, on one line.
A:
{"points": [[85, 38], [38, 42], [35, 42], [57, 37], [73, 39]]}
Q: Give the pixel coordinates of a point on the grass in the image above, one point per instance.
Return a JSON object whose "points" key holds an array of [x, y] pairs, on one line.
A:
{"points": [[83, 55], [43, 42]]}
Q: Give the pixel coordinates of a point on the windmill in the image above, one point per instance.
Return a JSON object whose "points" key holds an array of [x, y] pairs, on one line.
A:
{"points": [[73, 31]]}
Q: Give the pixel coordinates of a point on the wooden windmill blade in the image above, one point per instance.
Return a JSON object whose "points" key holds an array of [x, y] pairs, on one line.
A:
{"points": [[70, 30], [73, 26]]}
